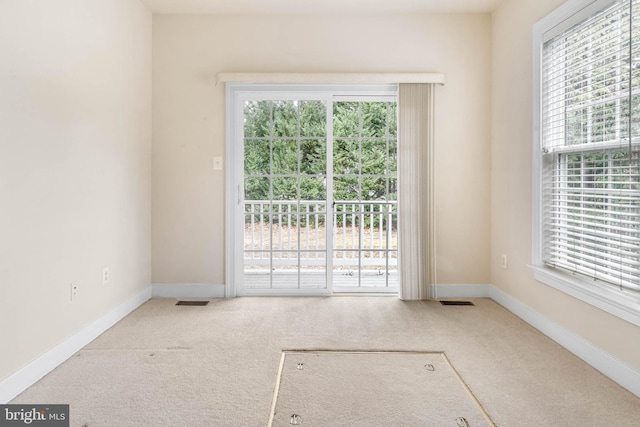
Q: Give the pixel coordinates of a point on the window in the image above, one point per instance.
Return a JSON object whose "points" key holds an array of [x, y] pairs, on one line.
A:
{"points": [[587, 153]]}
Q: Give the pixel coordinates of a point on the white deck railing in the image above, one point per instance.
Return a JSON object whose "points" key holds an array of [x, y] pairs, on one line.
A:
{"points": [[363, 233]]}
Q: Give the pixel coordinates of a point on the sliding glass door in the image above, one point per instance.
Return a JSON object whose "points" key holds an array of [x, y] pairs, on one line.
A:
{"points": [[317, 193]]}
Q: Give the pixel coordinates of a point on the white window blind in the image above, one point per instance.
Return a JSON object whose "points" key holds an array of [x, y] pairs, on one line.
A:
{"points": [[591, 146]]}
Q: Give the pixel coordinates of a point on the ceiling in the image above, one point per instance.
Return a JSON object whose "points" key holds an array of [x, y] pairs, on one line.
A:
{"points": [[319, 6]]}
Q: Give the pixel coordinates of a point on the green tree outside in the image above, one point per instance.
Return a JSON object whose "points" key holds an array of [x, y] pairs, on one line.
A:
{"points": [[285, 151]]}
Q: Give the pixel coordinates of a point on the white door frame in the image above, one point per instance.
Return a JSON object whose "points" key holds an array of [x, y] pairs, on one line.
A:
{"points": [[236, 94]]}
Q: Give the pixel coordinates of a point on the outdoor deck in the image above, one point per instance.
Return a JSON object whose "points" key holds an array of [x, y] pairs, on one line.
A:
{"points": [[285, 245]]}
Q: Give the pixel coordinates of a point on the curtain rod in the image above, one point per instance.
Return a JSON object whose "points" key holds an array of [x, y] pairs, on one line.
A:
{"points": [[330, 78]]}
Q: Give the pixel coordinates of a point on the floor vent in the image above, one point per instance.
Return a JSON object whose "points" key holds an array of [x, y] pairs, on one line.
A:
{"points": [[456, 303], [196, 303]]}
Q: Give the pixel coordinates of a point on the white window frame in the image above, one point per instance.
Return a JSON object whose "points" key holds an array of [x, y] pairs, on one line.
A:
{"points": [[625, 305]]}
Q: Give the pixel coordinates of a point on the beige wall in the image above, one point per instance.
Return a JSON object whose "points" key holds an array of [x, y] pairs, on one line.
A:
{"points": [[511, 187], [188, 122], [75, 169]]}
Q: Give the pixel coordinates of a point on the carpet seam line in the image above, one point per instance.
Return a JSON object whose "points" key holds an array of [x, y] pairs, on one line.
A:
{"points": [[276, 390], [468, 390]]}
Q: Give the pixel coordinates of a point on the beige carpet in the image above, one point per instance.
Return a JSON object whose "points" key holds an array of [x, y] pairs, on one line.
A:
{"points": [[347, 388], [167, 365]]}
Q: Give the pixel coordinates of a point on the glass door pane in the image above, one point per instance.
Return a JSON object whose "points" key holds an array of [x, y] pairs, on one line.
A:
{"points": [[365, 249], [285, 196]]}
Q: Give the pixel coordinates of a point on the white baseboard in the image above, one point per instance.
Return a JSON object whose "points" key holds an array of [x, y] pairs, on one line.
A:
{"points": [[462, 291], [188, 290], [613, 368], [34, 371]]}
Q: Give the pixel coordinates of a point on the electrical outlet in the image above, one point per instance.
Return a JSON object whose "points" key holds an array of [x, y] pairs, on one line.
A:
{"points": [[504, 261], [106, 276], [74, 291]]}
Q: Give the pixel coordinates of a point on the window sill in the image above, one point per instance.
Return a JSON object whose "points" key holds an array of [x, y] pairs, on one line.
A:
{"points": [[622, 304]]}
